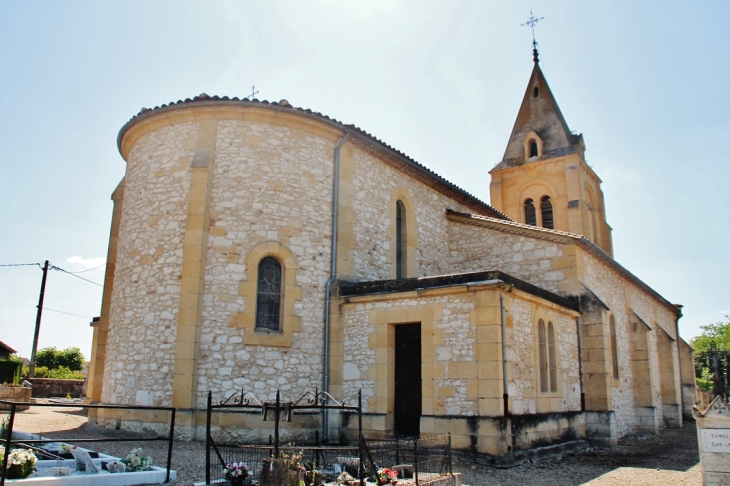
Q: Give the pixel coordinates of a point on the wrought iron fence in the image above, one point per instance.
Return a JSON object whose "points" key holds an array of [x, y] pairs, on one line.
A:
{"points": [[9, 441], [415, 459], [316, 455]]}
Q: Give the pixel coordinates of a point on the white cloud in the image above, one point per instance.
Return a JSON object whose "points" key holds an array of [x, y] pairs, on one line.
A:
{"points": [[86, 262]]}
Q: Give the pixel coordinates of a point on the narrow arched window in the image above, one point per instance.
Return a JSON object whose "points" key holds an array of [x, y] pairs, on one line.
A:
{"points": [[401, 244], [268, 295], [551, 359], [546, 208], [614, 347], [535, 92], [530, 216], [542, 355], [533, 148]]}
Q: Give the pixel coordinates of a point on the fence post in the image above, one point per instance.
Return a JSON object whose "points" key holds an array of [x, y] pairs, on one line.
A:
{"points": [[450, 458], [397, 455], [415, 463], [276, 426], [316, 450], [207, 437], [7, 444], [360, 438], [169, 445]]}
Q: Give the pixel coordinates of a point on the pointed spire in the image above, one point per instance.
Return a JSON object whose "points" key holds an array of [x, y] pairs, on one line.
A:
{"points": [[539, 117]]}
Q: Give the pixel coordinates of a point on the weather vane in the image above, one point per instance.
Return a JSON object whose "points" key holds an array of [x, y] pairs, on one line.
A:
{"points": [[531, 23], [253, 93]]}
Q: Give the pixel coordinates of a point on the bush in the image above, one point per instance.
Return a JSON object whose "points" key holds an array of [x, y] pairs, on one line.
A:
{"points": [[704, 384], [60, 373]]}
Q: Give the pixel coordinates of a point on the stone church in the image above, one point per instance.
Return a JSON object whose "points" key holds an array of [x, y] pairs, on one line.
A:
{"points": [[257, 246]]}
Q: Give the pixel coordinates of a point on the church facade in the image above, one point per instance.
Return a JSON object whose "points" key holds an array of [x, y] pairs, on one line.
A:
{"points": [[263, 247]]}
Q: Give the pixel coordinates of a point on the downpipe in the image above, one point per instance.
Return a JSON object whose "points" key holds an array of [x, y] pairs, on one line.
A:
{"points": [[328, 286], [505, 381]]}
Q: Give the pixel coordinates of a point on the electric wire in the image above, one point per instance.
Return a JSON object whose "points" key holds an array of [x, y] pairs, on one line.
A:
{"points": [[20, 264], [67, 313], [90, 269], [53, 267]]}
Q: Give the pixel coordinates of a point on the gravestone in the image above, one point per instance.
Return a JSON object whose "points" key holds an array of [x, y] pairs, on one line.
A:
{"points": [[713, 433]]}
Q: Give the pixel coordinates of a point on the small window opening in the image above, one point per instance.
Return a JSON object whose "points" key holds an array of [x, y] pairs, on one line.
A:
{"points": [[614, 348], [530, 216], [400, 240], [551, 358], [546, 207], [535, 92], [533, 148], [542, 355]]}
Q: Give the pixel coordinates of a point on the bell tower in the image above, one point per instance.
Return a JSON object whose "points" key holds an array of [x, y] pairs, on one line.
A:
{"points": [[543, 179]]}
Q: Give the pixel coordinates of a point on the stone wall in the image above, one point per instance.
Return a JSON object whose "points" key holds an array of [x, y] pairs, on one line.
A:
{"points": [[51, 387]]}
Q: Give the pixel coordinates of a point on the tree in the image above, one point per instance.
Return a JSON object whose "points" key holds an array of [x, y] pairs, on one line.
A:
{"points": [[706, 358], [52, 358]]}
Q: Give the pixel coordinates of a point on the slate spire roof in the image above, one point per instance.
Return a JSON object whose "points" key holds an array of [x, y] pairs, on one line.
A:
{"points": [[539, 113]]}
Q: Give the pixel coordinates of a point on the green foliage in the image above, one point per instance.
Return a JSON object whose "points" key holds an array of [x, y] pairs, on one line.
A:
{"points": [[4, 427], [52, 359], [60, 373], [718, 332], [704, 384]]}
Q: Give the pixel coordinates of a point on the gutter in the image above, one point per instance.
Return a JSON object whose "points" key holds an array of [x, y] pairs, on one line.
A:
{"points": [[328, 286]]}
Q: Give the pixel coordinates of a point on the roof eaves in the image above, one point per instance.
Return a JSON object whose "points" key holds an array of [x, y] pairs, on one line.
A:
{"points": [[203, 99]]}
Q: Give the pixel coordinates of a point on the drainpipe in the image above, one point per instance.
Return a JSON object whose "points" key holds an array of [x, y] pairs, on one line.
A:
{"points": [[505, 381], [580, 365], [328, 286]]}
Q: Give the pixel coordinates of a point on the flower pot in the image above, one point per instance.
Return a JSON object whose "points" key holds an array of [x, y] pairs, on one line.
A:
{"points": [[18, 471], [241, 481]]}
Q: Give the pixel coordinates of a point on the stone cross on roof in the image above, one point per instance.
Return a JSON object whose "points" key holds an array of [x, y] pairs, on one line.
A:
{"points": [[531, 22]]}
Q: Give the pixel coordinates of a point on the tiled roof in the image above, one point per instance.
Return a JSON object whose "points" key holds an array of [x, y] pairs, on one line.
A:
{"points": [[6, 349], [352, 289], [444, 185], [557, 235]]}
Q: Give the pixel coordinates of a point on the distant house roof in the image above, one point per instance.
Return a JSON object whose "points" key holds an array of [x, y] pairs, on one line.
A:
{"points": [[5, 349]]}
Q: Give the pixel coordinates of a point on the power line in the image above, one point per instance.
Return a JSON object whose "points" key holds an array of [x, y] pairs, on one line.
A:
{"points": [[67, 313], [52, 267], [20, 264], [84, 271]]}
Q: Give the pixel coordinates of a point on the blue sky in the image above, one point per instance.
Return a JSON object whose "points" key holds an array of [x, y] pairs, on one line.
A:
{"points": [[441, 81]]}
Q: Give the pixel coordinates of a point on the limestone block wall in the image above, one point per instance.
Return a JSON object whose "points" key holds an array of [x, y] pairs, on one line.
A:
{"points": [[142, 322], [474, 248], [524, 371], [370, 189], [271, 191]]}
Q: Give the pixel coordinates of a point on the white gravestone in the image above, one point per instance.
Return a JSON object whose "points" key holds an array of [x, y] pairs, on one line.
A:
{"points": [[713, 433]]}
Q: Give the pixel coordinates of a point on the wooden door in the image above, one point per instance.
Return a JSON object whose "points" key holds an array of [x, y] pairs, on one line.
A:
{"points": [[408, 379]]}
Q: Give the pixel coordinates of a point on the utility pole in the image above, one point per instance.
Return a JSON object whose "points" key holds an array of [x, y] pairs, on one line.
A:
{"points": [[31, 371]]}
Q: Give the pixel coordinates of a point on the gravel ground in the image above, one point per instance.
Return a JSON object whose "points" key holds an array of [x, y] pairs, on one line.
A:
{"points": [[670, 458]]}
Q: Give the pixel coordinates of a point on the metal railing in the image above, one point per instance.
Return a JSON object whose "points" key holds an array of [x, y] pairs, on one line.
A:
{"points": [[322, 455], [9, 441]]}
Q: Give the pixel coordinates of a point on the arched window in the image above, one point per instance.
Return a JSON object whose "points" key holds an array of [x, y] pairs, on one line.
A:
{"points": [[546, 207], [533, 148], [530, 216], [551, 359], [542, 355], [401, 243], [268, 295], [614, 347], [535, 92]]}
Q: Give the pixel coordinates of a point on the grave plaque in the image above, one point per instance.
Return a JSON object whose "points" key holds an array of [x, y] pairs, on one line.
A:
{"points": [[713, 433]]}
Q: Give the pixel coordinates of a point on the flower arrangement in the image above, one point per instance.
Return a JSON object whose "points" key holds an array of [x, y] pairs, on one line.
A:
{"points": [[135, 461], [236, 472], [21, 463], [387, 476]]}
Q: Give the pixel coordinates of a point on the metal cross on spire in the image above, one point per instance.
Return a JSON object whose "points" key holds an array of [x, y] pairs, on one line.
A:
{"points": [[253, 93], [531, 22]]}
